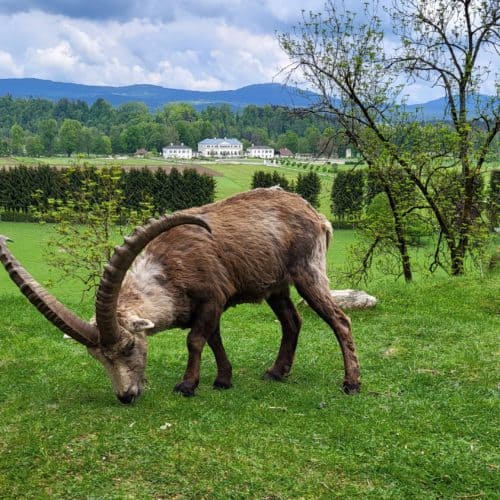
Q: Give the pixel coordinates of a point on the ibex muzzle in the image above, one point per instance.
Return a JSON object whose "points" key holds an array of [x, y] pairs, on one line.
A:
{"points": [[195, 264]]}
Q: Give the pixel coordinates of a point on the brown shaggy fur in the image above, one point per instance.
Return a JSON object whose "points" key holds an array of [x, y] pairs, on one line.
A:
{"points": [[261, 242]]}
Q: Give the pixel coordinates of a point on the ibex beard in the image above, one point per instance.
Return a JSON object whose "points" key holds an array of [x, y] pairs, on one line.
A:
{"points": [[193, 266]]}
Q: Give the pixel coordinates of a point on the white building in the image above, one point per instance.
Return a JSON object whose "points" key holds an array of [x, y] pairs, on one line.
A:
{"points": [[264, 152], [178, 151], [220, 148]]}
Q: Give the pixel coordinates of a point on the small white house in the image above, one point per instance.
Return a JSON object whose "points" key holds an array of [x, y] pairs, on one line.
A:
{"points": [[264, 152], [220, 148], [179, 151]]}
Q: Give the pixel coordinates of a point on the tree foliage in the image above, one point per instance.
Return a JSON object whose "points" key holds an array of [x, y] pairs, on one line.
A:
{"points": [[266, 179], [94, 205], [342, 57], [309, 187], [93, 214], [347, 194], [131, 126], [163, 191]]}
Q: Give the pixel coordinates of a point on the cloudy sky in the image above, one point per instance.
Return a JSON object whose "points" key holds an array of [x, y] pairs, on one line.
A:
{"points": [[188, 44]]}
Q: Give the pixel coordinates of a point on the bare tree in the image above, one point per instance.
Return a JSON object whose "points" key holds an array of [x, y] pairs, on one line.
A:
{"points": [[342, 56], [446, 43]]}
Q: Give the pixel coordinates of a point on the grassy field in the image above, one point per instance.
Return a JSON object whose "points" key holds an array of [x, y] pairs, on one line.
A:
{"points": [[424, 426]]}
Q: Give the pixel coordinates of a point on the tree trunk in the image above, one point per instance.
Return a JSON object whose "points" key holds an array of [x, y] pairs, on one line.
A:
{"points": [[401, 242]]}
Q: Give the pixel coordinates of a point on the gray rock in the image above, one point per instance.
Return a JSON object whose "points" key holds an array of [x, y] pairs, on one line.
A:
{"points": [[352, 299]]}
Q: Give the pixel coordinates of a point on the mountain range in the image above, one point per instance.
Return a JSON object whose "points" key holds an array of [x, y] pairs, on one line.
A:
{"points": [[155, 96]]}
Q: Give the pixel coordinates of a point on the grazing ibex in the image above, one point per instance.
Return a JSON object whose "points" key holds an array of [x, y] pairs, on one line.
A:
{"points": [[197, 263]]}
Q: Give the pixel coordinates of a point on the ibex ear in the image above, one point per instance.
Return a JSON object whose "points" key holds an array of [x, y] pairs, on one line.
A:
{"points": [[141, 324]]}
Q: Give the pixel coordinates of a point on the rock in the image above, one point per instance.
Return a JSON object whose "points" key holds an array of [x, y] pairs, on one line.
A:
{"points": [[352, 299]]}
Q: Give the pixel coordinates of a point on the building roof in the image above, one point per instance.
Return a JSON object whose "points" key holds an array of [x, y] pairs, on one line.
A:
{"points": [[261, 147], [285, 152], [177, 146], [221, 142]]}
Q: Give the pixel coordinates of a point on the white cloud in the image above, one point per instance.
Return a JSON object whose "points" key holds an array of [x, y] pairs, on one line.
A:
{"points": [[60, 57], [8, 67], [192, 44]]}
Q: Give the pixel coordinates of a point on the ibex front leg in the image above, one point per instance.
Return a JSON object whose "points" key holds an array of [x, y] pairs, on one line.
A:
{"points": [[205, 325], [224, 368], [290, 321]]}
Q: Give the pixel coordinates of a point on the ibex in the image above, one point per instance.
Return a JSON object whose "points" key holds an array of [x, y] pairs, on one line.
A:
{"points": [[196, 263]]}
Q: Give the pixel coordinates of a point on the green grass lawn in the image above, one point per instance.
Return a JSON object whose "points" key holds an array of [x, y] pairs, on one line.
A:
{"points": [[424, 426]]}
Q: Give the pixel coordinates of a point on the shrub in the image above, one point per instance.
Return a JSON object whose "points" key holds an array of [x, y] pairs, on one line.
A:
{"points": [[266, 179], [347, 194], [21, 185], [494, 199], [309, 187]]}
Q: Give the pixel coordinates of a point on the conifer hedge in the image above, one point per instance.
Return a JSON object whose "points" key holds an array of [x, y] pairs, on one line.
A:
{"points": [[20, 186]]}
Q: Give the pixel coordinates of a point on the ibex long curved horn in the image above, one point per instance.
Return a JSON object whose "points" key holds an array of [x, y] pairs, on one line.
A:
{"points": [[118, 265], [56, 312]]}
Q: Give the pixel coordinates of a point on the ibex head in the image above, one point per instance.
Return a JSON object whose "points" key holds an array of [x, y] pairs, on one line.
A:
{"points": [[119, 342]]}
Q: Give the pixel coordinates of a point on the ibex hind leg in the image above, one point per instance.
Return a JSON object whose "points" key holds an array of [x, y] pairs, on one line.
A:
{"points": [[313, 286], [291, 322]]}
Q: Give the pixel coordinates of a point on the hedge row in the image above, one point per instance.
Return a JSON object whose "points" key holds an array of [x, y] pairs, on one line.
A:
{"points": [[19, 186], [308, 185], [353, 191]]}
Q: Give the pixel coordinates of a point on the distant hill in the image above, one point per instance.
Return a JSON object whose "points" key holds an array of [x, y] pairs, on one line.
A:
{"points": [[438, 108], [155, 96]]}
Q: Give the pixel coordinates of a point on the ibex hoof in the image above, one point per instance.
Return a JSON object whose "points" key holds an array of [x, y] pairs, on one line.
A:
{"points": [[185, 388], [271, 375], [351, 388], [222, 384]]}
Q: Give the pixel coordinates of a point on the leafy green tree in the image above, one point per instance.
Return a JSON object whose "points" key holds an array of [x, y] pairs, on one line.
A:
{"points": [[312, 137], [87, 140], [102, 145], [179, 112], [66, 109], [116, 138], [101, 115], [4, 147], [154, 135], [17, 139], [289, 140], [7, 112], [133, 138], [69, 136], [185, 133], [47, 130], [327, 144], [132, 113], [34, 146], [169, 135]]}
